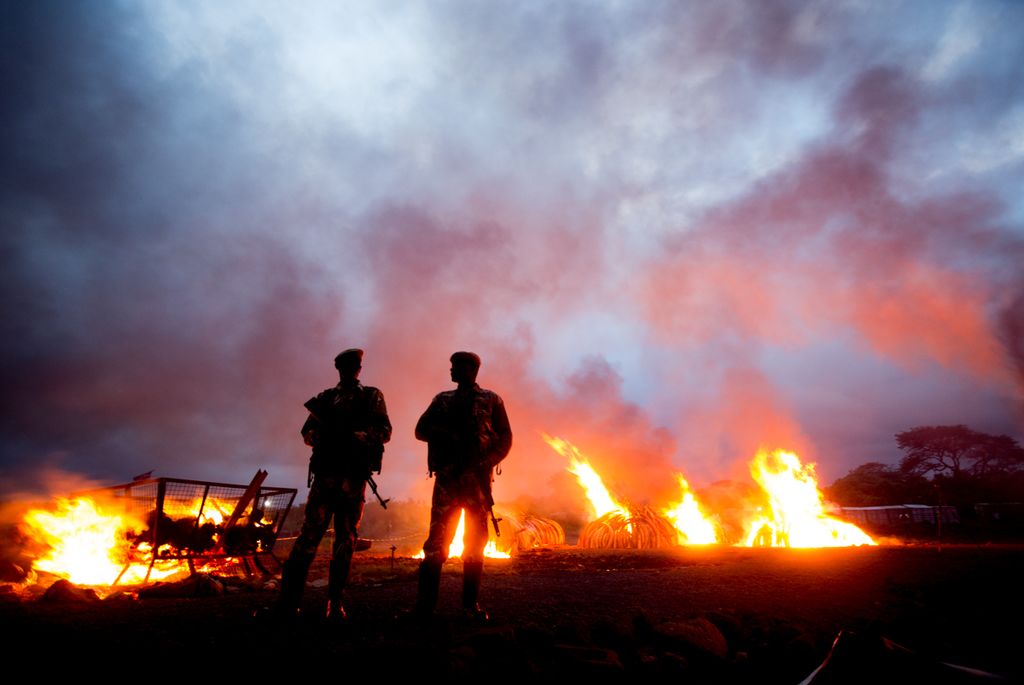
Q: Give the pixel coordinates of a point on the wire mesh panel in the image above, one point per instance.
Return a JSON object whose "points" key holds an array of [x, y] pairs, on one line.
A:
{"points": [[200, 520], [136, 499]]}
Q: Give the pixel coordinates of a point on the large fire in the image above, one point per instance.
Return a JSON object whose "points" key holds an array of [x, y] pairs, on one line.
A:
{"points": [[795, 516], [692, 526], [85, 543], [614, 522], [600, 499], [92, 542]]}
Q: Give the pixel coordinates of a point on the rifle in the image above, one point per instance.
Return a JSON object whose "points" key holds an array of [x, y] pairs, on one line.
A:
{"points": [[373, 486], [489, 496], [494, 522]]}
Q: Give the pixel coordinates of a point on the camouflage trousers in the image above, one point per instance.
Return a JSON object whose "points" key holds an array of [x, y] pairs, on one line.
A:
{"points": [[340, 498], [451, 496]]}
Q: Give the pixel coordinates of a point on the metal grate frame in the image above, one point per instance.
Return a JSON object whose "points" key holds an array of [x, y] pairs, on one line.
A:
{"points": [[197, 521]]}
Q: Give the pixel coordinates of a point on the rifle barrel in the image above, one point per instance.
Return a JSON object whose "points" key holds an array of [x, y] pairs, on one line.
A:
{"points": [[373, 486]]}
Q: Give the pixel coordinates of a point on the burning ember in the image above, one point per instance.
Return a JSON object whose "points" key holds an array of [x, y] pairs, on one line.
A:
{"points": [[796, 517]]}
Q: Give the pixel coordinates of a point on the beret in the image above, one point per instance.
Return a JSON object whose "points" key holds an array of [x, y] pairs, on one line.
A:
{"points": [[348, 357], [466, 357]]}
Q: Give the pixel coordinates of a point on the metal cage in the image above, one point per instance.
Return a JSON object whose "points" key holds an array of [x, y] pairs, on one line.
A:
{"points": [[197, 521]]}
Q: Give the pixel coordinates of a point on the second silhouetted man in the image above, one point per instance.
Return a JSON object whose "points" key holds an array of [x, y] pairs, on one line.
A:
{"points": [[467, 434]]}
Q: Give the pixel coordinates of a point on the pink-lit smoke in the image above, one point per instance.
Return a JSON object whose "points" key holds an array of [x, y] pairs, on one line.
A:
{"points": [[672, 234]]}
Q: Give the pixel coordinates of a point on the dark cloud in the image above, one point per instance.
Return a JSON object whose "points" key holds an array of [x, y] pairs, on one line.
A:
{"points": [[160, 378]]}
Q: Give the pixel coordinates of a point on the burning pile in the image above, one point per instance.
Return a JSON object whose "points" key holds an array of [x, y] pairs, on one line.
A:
{"points": [[638, 528], [692, 526], [622, 526], [80, 539], [793, 516], [529, 531], [157, 529]]}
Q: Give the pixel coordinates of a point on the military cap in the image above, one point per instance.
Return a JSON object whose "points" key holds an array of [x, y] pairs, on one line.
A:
{"points": [[466, 358], [352, 356]]}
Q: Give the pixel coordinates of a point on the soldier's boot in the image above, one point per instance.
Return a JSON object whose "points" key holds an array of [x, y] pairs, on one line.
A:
{"points": [[428, 590], [293, 581], [336, 580], [472, 575]]}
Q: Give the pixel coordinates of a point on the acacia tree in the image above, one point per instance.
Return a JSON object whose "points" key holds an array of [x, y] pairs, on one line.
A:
{"points": [[957, 450]]}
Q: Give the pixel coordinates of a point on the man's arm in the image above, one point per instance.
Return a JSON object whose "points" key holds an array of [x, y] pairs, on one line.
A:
{"points": [[372, 431], [309, 430], [379, 429], [314, 429], [502, 443], [431, 427]]}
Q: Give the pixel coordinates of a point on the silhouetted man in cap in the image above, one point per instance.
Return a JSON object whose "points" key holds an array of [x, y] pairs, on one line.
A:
{"points": [[467, 435], [347, 427]]}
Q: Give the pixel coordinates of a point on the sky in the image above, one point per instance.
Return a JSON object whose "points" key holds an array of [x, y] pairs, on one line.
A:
{"points": [[674, 232]]}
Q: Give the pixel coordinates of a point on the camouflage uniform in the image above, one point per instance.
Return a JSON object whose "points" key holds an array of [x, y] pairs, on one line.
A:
{"points": [[347, 428], [468, 434]]}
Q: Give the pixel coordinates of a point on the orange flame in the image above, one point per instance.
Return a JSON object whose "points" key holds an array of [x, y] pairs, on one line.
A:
{"points": [[692, 526], [458, 545], [600, 499], [796, 516], [87, 543], [90, 543]]}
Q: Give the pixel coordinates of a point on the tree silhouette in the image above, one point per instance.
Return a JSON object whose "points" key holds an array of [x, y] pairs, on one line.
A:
{"points": [[956, 451]]}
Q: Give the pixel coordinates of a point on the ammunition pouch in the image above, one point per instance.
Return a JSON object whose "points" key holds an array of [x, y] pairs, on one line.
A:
{"points": [[356, 461], [448, 456], [322, 464], [374, 455], [438, 458]]}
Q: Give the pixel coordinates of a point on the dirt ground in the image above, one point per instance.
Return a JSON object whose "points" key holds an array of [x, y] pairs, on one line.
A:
{"points": [[717, 614]]}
